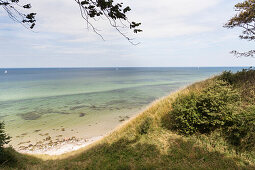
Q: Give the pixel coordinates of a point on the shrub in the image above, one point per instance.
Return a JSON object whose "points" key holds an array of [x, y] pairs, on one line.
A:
{"points": [[240, 77], [241, 134], [243, 81], [145, 126], [184, 115], [4, 139], [205, 111], [228, 77]]}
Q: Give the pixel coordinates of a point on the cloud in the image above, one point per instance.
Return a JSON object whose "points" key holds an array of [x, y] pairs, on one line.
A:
{"points": [[166, 18], [161, 18], [172, 28]]}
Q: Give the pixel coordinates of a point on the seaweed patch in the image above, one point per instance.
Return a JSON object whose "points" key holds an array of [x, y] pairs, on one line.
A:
{"points": [[77, 107], [114, 102], [30, 116]]}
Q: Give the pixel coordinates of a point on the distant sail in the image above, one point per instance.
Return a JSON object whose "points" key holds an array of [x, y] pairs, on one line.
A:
{"points": [[5, 72]]}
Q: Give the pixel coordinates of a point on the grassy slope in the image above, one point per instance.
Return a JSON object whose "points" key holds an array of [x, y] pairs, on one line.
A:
{"points": [[160, 148]]}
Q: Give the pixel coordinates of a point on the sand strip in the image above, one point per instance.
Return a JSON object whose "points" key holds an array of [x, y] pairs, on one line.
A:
{"points": [[61, 147]]}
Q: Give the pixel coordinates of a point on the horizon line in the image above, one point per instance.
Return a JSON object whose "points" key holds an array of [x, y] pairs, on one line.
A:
{"points": [[123, 67]]}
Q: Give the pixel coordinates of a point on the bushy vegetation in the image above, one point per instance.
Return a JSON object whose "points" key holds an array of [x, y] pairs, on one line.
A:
{"points": [[205, 111], [241, 134], [4, 139], [226, 103], [243, 81]]}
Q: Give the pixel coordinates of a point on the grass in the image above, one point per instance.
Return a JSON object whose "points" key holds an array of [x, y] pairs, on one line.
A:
{"points": [[146, 143]]}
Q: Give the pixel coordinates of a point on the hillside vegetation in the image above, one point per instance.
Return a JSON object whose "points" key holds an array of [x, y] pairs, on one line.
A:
{"points": [[208, 125]]}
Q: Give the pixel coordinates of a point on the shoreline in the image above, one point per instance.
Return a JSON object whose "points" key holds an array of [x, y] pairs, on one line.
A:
{"points": [[59, 147], [73, 144]]}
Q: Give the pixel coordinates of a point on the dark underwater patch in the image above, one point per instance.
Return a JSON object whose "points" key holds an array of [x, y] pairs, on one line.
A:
{"points": [[77, 107], [114, 102], [30, 116], [82, 114]]}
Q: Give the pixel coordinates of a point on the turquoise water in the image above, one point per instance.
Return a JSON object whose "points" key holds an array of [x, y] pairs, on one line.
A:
{"points": [[86, 102]]}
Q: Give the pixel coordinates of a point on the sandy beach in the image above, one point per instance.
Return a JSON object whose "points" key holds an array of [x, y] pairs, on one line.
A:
{"points": [[58, 147]]}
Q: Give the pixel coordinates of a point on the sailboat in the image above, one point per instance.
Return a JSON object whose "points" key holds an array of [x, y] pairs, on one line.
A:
{"points": [[5, 72]]}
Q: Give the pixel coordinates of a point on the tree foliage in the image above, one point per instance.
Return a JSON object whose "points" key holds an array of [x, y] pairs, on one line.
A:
{"points": [[16, 12], [4, 138], [7, 155], [115, 13], [245, 19]]}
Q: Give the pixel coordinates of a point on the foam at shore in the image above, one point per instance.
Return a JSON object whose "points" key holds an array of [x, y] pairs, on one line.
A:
{"points": [[62, 147]]}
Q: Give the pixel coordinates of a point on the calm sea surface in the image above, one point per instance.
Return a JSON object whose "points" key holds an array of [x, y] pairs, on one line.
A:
{"points": [[83, 102]]}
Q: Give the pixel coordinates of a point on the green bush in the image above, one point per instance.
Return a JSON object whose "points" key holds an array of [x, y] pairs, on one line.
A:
{"points": [[241, 134], [228, 77], [184, 116], [240, 77], [205, 111], [145, 126], [244, 81], [4, 139]]}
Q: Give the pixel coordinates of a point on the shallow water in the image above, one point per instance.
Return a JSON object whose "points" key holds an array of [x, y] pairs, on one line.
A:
{"points": [[83, 102]]}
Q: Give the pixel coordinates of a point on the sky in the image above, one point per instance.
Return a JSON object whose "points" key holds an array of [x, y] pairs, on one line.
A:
{"points": [[176, 33]]}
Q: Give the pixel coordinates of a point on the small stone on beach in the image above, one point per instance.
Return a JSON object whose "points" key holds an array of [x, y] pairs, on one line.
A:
{"points": [[24, 142], [48, 138], [37, 130]]}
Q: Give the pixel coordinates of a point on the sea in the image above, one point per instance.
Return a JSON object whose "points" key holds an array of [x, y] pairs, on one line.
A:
{"points": [[84, 102]]}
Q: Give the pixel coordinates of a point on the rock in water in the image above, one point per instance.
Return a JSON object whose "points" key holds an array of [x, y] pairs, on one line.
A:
{"points": [[82, 114]]}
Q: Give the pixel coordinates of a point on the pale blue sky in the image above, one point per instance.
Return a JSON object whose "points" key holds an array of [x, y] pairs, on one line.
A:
{"points": [[176, 33]]}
